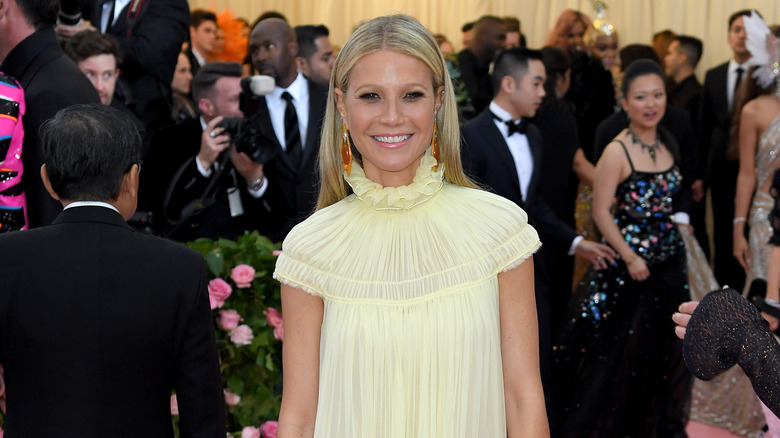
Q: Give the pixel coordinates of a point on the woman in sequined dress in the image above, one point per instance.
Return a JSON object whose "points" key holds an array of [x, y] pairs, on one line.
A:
{"points": [[619, 369], [759, 157]]}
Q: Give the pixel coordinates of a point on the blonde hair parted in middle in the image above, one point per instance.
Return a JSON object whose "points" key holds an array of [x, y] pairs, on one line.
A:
{"points": [[403, 34]]}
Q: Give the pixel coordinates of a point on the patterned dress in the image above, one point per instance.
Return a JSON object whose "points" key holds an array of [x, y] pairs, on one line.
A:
{"points": [[618, 366]]}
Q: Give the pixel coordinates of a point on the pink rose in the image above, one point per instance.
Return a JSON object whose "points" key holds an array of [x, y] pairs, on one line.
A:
{"points": [[243, 275], [219, 291], [277, 253], [229, 319], [268, 429], [174, 405], [241, 335], [250, 432], [274, 319], [230, 398]]}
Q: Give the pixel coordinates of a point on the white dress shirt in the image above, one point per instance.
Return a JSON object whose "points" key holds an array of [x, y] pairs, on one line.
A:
{"points": [[299, 90], [104, 18]]}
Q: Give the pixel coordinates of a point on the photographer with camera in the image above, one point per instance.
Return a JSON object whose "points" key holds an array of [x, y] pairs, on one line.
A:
{"points": [[193, 163]]}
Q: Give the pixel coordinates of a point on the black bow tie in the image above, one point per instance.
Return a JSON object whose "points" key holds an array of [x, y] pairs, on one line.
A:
{"points": [[519, 127]]}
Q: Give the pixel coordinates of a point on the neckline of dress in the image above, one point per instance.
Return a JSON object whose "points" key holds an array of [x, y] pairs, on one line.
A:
{"points": [[424, 186]]}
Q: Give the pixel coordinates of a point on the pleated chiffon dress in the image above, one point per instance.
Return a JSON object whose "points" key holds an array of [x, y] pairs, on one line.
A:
{"points": [[410, 343]]}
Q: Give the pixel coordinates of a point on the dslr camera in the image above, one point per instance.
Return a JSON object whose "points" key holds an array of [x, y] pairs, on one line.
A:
{"points": [[249, 133]]}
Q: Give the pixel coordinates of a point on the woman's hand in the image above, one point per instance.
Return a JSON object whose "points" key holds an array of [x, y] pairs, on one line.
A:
{"points": [[682, 316], [637, 269], [774, 323], [741, 250]]}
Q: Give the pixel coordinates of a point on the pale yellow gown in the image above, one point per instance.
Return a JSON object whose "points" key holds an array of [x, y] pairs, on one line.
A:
{"points": [[410, 343]]}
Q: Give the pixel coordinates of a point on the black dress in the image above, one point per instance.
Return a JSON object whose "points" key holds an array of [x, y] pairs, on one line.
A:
{"points": [[618, 367]]}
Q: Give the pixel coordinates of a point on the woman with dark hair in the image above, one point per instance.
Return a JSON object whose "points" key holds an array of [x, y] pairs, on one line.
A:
{"points": [[563, 166], [619, 368]]}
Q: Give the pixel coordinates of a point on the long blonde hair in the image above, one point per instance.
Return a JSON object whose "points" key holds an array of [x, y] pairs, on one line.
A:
{"points": [[399, 33]]}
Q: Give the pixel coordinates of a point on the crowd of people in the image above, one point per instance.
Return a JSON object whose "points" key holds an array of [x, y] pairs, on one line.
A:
{"points": [[411, 184]]}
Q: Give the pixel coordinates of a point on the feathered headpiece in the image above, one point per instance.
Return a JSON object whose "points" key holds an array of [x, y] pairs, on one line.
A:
{"points": [[764, 48]]}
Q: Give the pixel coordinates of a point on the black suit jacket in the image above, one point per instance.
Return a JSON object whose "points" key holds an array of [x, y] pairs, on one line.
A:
{"points": [[714, 123], [150, 47], [51, 82], [98, 324], [487, 159], [292, 193], [687, 95], [169, 149], [194, 63]]}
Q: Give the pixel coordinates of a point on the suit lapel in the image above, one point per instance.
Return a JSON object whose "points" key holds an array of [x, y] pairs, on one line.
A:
{"points": [[499, 147], [317, 102]]}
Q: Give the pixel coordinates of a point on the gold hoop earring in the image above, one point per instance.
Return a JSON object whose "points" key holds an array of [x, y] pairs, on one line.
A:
{"points": [[435, 145], [346, 149]]}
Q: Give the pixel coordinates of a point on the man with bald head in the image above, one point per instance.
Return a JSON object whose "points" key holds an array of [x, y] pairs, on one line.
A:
{"points": [[488, 38], [296, 107]]}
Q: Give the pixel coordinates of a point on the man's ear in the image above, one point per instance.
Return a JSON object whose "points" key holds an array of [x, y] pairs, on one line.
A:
{"points": [[508, 84], [47, 183], [130, 181], [206, 107]]}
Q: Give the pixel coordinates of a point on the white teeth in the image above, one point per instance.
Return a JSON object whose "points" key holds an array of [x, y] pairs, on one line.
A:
{"points": [[392, 139]]}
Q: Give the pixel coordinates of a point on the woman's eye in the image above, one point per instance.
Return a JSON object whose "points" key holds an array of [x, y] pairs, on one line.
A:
{"points": [[369, 96], [414, 95]]}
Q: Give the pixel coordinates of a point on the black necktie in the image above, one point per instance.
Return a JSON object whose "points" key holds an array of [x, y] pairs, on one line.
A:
{"points": [[292, 134], [739, 70], [520, 127]]}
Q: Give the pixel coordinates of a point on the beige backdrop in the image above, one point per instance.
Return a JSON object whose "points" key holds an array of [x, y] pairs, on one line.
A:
{"points": [[636, 20]]}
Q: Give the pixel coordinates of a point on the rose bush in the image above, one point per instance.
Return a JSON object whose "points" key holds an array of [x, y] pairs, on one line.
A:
{"points": [[243, 295]]}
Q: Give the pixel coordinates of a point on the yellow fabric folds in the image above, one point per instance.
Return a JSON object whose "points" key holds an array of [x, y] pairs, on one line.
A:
{"points": [[410, 343]]}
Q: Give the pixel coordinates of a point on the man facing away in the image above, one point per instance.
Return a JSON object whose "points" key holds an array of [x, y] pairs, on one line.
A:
{"points": [[98, 323]]}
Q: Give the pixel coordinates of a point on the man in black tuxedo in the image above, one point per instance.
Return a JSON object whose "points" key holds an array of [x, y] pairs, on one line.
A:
{"points": [[194, 160], [503, 152], [203, 37], [293, 126], [719, 166], [30, 52], [93, 341], [150, 35]]}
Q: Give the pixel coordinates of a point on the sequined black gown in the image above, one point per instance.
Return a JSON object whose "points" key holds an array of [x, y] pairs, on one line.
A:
{"points": [[618, 366]]}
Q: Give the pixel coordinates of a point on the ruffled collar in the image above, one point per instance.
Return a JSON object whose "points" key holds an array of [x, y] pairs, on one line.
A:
{"points": [[425, 184]]}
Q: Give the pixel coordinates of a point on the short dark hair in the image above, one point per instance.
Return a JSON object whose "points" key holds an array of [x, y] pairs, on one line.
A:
{"points": [[268, 14], [556, 62], [306, 35], [640, 67], [209, 74], [512, 62], [467, 26], [89, 43], [742, 13], [87, 150], [512, 24], [633, 52], [198, 16], [40, 13], [692, 47]]}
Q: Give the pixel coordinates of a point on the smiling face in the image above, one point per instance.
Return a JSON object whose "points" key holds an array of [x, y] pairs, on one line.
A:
{"points": [[389, 108], [645, 101], [576, 36]]}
